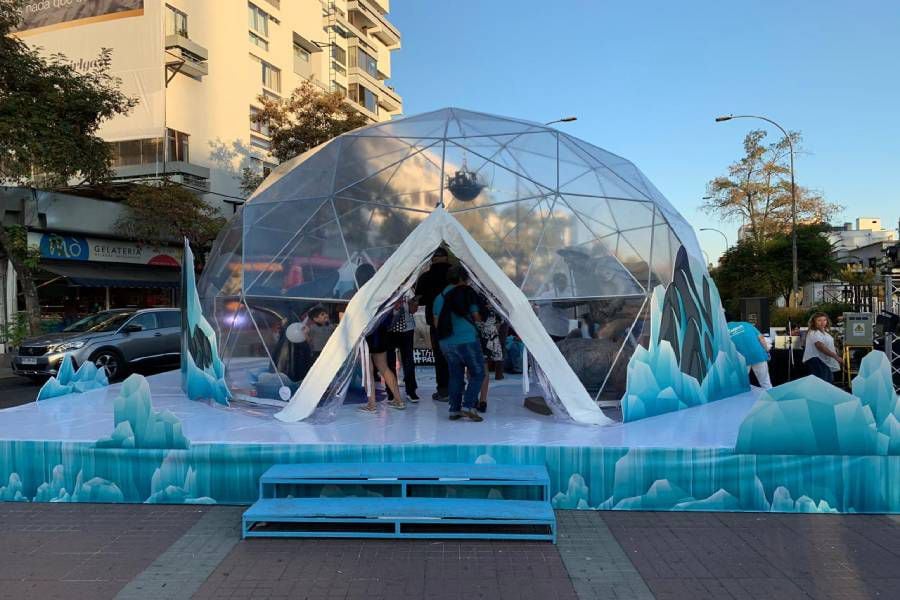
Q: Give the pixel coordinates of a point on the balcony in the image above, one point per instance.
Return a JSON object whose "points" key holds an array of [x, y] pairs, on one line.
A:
{"points": [[367, 16], [186, 57], [388, 99], [181, 171]]}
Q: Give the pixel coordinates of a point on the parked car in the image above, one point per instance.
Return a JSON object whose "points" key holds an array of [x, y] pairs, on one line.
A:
{"points": [[115, 340]]}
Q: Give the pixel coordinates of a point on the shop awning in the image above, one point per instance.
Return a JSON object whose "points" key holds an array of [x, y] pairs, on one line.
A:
{"points": [[111, 275]]}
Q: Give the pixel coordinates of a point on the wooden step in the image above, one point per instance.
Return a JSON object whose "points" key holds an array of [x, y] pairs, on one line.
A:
{"points": [[400, 518], [404, 475]]}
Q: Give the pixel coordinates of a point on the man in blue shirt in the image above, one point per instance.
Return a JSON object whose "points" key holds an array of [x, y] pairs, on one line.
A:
{"points": [[753, 347], [456, 312]]}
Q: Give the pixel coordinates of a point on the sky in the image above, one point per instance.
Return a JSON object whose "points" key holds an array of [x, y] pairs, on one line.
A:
{"points": [[647, 78]]}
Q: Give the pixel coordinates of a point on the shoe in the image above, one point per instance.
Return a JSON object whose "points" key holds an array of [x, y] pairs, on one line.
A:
{"points": [[481, 407], [472, 416], [438, 398], [412, 397], [368, 409], [455, 416], [397, 404]]}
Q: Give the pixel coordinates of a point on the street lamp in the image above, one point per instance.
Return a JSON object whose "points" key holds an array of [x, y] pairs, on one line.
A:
{"points": [[795, 283], [724, 237], [563, 120]]}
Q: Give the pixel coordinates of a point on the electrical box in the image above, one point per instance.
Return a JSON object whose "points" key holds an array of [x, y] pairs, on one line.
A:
{"points": [[858, 329], [756, 312]]}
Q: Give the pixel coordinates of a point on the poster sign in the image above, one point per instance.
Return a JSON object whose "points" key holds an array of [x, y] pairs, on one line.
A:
{"points": [[66, 13], [131, 29], [73, 247]]}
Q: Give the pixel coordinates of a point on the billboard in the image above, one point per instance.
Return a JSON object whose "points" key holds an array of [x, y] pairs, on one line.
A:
{"points": [[57, 14], [133, 29]]}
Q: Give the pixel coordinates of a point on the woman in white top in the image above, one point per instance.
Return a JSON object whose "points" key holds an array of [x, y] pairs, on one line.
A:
{"points": [[819, 355]]}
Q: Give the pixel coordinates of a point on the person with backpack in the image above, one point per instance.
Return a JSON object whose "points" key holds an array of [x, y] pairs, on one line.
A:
{"points": [[456, 313]]}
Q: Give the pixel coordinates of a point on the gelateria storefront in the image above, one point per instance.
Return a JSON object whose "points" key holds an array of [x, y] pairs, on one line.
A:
{"points": [[83, 275]]}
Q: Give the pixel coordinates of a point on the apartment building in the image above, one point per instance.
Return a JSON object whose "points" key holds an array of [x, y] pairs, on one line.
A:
{"points": [[199, 66]]}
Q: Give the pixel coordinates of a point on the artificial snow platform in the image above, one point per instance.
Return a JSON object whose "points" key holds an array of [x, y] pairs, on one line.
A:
{"points": [[67, 449]]}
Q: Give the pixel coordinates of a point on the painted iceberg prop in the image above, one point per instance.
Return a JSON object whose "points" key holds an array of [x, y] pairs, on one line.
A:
{"points": [[810, 416], [691, 359], [138, 425], [202, 371], [68, 381]]}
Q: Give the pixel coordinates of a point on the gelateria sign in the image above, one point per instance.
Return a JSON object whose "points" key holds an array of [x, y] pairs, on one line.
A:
{"points": [[72, 247]]}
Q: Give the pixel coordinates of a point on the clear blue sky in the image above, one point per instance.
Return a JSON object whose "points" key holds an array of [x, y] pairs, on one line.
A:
{"points": [[647, 78]]}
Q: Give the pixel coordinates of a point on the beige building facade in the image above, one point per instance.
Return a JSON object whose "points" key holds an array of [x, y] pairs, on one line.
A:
{"points": [[199, 66]]}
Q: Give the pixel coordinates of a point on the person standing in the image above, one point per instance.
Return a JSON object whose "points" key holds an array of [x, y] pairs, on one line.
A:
{"points": [[752, 345], [318, 329], [456, 312], [554, 316], [489, 337], [819, 354], [377, 342], [428, 287], [401, 336]]}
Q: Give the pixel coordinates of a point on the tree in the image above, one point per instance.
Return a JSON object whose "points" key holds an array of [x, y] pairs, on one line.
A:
{"points": [[749, 269], [757, 190], [156, 214], [307, 118], [49, 117]]}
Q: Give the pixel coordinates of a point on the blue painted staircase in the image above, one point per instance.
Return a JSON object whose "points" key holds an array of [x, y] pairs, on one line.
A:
{"points": [[397, 500]]}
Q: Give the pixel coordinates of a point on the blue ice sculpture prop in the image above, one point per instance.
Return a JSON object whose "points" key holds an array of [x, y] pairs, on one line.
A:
{"points": [[691, 359], [68, 381], [138, 425], [202, 371], [810, 416]]}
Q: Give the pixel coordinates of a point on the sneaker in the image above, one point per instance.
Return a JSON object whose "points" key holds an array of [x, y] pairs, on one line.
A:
{"points": [[438, 398], [481, 407], [455, 416], [412, 397], [472, 416]]}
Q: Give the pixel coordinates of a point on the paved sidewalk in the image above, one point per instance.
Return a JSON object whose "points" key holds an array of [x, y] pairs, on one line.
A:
{"points": [[142, 551]]}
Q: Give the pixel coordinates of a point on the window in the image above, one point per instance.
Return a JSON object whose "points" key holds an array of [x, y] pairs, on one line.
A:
{"points": [[301, 61], [271, 76], [261, 166], [136, 152], [301, 53], [178, 147], [365, 62], [260, 143], [338, 68], [336, 87], [364, 97], [147, 321], [169, 318], [256, 126], [258, 20], [339, 54], [176, 22], [258, 41]]}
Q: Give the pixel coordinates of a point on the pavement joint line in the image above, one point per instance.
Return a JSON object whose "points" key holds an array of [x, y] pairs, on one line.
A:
{"points": [[597, 565], [179, 572]]}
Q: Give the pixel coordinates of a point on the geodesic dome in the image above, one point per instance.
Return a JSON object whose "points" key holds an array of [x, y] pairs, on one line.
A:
{"points": [[580, 230]]}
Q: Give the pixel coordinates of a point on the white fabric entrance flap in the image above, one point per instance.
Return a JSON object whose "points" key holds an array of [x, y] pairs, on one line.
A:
{"points": [[442, 227]]}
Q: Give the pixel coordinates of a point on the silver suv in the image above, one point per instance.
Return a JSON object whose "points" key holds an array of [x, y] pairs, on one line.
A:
{"points": [[116, 340]]}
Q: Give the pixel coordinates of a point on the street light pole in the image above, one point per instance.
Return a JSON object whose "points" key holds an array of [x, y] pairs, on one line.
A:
{"points": [[720, 232], [563, 120], [795, 278]]}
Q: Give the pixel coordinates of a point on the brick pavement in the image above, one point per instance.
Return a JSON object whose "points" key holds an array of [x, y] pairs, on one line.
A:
{"points": [[749, 555], [76, 551], [372, 569], [140, 551]]}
